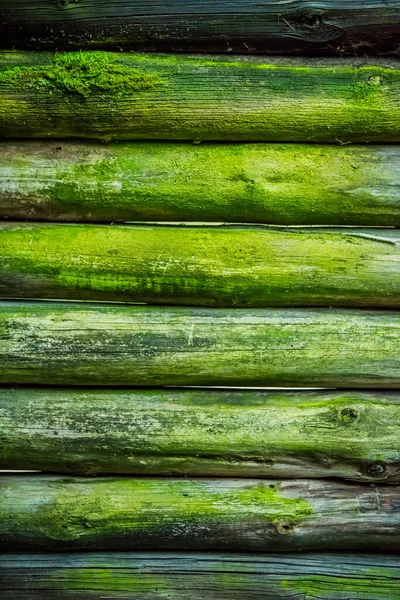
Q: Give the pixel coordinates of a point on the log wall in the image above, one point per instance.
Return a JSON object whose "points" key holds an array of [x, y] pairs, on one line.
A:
{"points": [[270, 306]]}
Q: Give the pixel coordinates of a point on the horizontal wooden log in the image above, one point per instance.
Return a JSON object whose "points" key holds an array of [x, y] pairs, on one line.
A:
{"points": [[204, 432], [134, 96], [201, 266], [83, 344], [53, 513], [149, 576], [334, 26], [279, 184]]}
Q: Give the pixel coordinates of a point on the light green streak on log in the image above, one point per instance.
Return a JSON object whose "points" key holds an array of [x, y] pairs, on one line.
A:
{"points": [[198, 98], [81, 344], [163, 432], [373, 581], [102, 581], [281, 184], [377, 580], [206, 266], [84, 513]]}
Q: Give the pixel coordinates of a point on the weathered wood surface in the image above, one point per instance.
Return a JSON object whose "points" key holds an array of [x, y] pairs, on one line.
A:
{"points": [[134, 96], [202, 432], [148, 576], [235, 266], [334, 26], [83, 344], [254, 183], [40, 512]]}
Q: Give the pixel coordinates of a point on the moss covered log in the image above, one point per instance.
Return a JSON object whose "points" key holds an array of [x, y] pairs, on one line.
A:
{"points": [[187, 432], [134, 96], [202, 266], [333, 26], [254, 183], [83, 344], [55, 513], [150, 576]]}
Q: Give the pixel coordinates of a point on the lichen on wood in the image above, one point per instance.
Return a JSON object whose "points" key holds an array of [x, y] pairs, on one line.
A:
{"points": [[93, 344], [349, 434], [284, 184]]}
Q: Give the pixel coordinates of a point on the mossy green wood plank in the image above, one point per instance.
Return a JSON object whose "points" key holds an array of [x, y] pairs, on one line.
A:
{"points": [[157, 575], [55, 513], [202, 266], [83, 344], [258, 183], [132, 96], [334, 26], [205, 432]]}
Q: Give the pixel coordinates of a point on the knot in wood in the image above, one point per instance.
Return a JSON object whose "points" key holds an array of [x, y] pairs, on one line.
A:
{"points": [[349, 415], [376, 469], [64, 3], [284, 526], [312, 20], [313, 28]]}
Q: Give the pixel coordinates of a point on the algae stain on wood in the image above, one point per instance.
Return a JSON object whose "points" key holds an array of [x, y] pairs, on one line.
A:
{"points": [[227, 576], [205, 266], [140, 506], [82, 73], [58, 512]]}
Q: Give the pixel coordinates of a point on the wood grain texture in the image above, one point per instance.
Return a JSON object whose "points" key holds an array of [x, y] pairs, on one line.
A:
{"points": [[201, 266], [280, 184], [54, 513], [83, 344], [202, 432], [134, 96], [149, 576], [333, 26]]}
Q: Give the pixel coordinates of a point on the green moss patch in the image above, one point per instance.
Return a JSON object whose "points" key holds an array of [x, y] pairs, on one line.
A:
{"points": [[82, 73]]}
